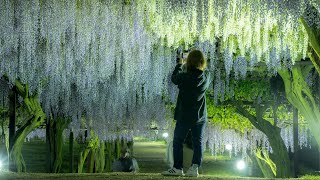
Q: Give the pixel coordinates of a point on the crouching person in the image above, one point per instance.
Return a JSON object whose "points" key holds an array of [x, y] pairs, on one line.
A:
{"points": [[125, 163]]}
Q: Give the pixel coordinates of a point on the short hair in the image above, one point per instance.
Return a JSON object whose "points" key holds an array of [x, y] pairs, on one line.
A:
{"points": [[195, 60]]}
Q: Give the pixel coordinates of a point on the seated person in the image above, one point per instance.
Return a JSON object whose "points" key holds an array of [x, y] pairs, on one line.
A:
{"points": [[125, 163]]}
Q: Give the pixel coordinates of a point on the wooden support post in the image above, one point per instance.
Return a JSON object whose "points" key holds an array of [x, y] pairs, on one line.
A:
{"points": [[12, 123], [49, 146], [71, 139], [295, 141]]}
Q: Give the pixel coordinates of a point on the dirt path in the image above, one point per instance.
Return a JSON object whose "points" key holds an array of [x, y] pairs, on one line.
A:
{"points": [[151, 159], [150, 156]]}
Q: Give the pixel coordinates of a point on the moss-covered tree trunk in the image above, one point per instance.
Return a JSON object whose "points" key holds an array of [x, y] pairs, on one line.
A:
{"points": [[300, 96], [55, 128], [109, 155], [35, 119], [90, 161], [256, 170], [3, 113], [96, 159], [314, 39], [264, 164], [89, 147], [100, 158], [83, 156], [279, 156]]}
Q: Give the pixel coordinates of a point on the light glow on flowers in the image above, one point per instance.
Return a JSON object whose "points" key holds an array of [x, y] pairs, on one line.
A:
{"points": [[88, 59]]}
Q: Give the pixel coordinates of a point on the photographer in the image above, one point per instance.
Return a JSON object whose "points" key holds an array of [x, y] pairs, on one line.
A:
{"points": [[191, 111]]}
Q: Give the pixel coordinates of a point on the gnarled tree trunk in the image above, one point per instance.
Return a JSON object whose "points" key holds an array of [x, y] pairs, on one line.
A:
{"points": [[280, 156], [314, 54], [89, 147], [100, 158], [300, 96], [109, 154], [36, 118], [267, 168], [55, 127]]}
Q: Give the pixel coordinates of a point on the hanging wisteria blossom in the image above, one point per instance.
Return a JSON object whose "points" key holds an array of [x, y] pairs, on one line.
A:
{"points": [[217, 138], [109, 62]]}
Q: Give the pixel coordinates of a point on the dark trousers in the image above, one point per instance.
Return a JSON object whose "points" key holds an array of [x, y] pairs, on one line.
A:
{"points": [[180, 133]]}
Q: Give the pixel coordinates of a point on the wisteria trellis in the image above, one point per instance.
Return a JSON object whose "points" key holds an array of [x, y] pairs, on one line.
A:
{"points": [[110, 60]]}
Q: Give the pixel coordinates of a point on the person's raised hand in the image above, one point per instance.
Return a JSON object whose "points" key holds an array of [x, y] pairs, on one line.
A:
{"points": [[181, 61]]}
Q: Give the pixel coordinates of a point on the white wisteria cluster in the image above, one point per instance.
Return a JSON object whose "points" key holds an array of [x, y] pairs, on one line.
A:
{"points": [[303, 135], [242, 26], [251, 30], [110, 60], [81, 135], [312, 14], [217, 138]]}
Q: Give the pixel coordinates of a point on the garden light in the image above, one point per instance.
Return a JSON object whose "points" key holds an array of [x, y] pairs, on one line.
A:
{"points": [[241, 165], [228, 147], [165, 135], [0, 165]]}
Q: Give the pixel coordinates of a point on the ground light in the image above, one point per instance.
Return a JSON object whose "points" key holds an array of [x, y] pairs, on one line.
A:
{"points": [[241, 165], [228, 147], [165, 135], [0, 165]]}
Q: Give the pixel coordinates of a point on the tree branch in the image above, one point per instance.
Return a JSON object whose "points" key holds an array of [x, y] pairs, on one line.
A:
{"points": [[275, 117], [22, 128], [258, 122], [314, 44]]}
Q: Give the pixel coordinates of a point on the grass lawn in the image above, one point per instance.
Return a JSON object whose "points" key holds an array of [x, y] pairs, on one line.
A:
{"points": [[150, 156], [113, 176], [126, 176]]}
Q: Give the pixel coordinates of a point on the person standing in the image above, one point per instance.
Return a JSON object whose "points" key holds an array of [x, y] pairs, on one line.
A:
{"points": [[190, 112]]}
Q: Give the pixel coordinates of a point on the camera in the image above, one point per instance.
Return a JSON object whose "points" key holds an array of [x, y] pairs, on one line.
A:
{"points": [[183, 55]]}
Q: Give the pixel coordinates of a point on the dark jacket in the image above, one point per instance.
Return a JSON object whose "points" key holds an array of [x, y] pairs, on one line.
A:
{"points": [[125, 165], [191, 104]]}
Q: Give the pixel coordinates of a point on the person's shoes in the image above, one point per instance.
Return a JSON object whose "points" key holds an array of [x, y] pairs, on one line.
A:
{"points": [[193, 171], [173, 172]]}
